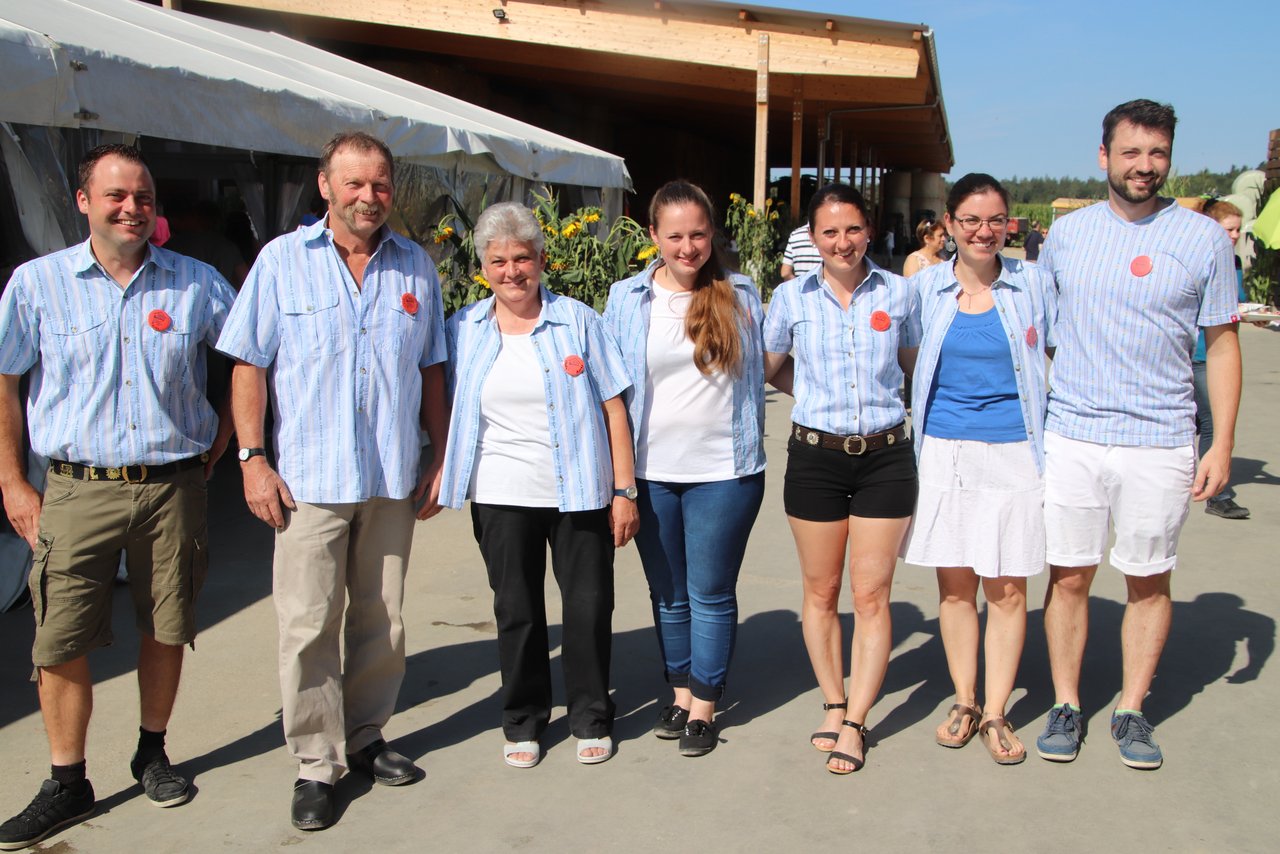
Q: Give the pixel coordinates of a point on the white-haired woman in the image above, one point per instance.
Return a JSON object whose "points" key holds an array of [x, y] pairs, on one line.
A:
{"points": [[538, 441]]}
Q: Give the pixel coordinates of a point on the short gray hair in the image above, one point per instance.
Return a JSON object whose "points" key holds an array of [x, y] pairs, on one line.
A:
{"points": [[506, 221]]}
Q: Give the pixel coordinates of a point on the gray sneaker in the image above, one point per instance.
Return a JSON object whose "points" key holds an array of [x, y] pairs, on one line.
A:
{"points": [[1060, 741], [1135, 737]]}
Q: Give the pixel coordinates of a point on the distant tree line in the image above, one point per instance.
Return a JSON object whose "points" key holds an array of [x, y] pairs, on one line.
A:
{"points": [[1042, 191]]}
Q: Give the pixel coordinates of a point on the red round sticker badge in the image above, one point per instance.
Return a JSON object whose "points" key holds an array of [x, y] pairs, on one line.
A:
{"points": [[1140, 266], [573, 365], [1032, 337], [880, 321], [410, 303], [158, 320]]}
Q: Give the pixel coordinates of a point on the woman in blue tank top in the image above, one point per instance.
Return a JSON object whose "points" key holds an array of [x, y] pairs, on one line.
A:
{"points": [[978, 401]]}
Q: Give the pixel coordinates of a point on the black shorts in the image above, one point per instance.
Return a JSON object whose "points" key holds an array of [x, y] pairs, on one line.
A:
{"points": [[829, 485]]}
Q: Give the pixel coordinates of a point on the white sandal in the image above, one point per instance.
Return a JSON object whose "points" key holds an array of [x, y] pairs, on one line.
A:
{"points": [[509, 750], [588, 743]]}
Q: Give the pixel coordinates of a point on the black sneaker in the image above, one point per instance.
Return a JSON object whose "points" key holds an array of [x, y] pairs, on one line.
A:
{"points": [[55, 807], [671, 723], [163, 787], [699, 739], [1226, 508]]}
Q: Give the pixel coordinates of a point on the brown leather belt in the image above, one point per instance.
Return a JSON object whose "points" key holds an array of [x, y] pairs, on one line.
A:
{"points": [[854, 446], [128, 474]]}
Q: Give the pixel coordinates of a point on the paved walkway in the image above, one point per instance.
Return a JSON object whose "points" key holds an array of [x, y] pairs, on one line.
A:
{"points": [[764, 788]]}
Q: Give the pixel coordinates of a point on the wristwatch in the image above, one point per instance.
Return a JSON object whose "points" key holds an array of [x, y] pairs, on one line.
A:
{"points": [[247, 454], [628, 493]]}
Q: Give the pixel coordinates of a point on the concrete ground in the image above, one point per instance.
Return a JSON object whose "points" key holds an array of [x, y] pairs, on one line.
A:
{"points": [[764, 787]]}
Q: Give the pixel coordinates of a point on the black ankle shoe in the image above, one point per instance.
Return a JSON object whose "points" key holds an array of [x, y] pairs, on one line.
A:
{"points": [[671, 723], [312, 805], [699, 739], [384, 765], [164, 788], [55, 806]]}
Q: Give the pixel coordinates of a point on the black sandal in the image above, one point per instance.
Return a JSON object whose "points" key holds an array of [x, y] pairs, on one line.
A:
{"points": [[832, 736], [852, 760]]}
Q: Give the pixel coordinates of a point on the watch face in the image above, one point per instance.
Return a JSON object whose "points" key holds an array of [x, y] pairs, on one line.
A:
{"points": [[243, 455]]}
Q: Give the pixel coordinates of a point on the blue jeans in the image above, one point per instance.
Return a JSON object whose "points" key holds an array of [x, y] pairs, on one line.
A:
{"points": [[692, 538], [1204, 423]]}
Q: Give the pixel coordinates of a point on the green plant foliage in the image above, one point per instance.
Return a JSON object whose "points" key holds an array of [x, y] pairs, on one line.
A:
{"points": [[580, 262], [756, 234]]}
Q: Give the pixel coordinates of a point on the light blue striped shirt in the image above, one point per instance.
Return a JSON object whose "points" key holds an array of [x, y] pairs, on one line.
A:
{"points": [[107, 387], [1122, 371], [344, 361], [579, 440], [846, 370], [1027, 306], [627, 319]]}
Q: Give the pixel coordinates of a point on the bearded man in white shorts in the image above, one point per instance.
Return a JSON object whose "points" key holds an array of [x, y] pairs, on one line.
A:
{"points": [[1136, 276]]}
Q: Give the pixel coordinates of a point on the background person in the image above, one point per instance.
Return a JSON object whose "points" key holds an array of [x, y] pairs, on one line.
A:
{"points": [[930, 235], [1035, 239], [800, 255], [1224, 503], [981, 391], [851, 473], [538, 441], [690, 336], [346, 317], [115, 333]]}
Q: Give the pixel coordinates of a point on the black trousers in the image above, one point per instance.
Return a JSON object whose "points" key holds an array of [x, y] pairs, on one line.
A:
{"points": [[513, 542]]}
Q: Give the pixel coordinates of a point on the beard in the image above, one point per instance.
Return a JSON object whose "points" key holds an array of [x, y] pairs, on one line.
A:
{"points": [[1121, 189]]}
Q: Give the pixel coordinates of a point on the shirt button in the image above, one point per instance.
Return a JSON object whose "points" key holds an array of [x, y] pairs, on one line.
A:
{"points": [[551, 407], [363, 371], [309, 308], [561, 479], [556, 445], [363, 330], [126, 338], [128, 382], [73, 329], [133, 426]]}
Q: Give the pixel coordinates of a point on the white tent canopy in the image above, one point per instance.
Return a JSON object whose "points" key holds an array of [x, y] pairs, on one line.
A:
{"points": [[126, 66]]}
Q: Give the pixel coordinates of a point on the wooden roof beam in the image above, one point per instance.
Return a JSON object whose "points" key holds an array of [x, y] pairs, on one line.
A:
{"points": [[635, 31]]}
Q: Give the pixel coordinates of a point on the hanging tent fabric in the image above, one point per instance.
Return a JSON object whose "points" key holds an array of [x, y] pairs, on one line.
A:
{"points": [[127, 66]]}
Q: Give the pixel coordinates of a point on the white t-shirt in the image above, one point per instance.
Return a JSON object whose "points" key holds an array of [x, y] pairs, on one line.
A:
{"points": [[513, 462], [686, 432]]}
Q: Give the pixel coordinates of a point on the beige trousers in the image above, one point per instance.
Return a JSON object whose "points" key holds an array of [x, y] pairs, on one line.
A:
{"points": [[340, 673]]}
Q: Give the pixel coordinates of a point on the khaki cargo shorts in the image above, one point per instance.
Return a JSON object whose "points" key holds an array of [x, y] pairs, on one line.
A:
{"points": [[162, 525]]}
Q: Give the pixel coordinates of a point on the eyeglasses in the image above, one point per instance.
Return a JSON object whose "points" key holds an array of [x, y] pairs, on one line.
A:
{"points": [[970, 224]]}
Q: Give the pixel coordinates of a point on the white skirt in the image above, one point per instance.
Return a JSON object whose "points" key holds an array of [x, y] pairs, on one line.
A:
{"points": [[981, 505]]}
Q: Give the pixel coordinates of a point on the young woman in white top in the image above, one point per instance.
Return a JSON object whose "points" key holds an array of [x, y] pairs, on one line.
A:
{"points": [[689, 332]]}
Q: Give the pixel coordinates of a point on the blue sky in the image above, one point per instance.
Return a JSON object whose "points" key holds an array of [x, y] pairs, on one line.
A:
{"points": [[1026, 84]]}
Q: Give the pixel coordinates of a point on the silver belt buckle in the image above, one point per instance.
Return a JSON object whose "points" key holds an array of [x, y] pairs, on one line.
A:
{"points": [[862, 450]]}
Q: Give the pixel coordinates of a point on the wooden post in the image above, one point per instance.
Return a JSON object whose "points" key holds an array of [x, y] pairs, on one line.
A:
{"points": [[761, 183], [797, 140], [838, 169]]}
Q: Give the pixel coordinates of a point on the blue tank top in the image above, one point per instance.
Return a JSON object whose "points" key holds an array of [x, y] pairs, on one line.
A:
{"points": [[974, 394]]}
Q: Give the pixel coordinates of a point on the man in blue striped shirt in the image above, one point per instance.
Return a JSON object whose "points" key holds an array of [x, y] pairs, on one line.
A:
{"points": [[1136, 276], [347, 317], [113, 334]]}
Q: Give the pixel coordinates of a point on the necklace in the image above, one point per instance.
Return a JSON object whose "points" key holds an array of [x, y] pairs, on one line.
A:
{"points": [[969, 295]]}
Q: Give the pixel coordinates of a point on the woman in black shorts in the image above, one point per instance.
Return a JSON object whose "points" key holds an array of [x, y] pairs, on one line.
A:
{"points": [[851, 472]]}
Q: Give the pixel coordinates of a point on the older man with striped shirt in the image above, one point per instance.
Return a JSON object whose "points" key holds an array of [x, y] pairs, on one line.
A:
{"points": [[1136, 276], [114, 335], [347, 317]]}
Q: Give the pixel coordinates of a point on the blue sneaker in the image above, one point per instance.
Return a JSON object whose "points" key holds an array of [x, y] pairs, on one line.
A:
{"points": [[1135, 737], [1060, 741]]}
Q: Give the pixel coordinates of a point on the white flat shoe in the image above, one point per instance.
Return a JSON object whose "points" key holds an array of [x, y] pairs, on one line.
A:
{"points": [[509, 750], [588, 743]]}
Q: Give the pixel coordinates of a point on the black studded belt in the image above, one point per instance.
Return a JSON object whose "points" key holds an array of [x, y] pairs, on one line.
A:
{"points": [[128, 474], [854, 446]]}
